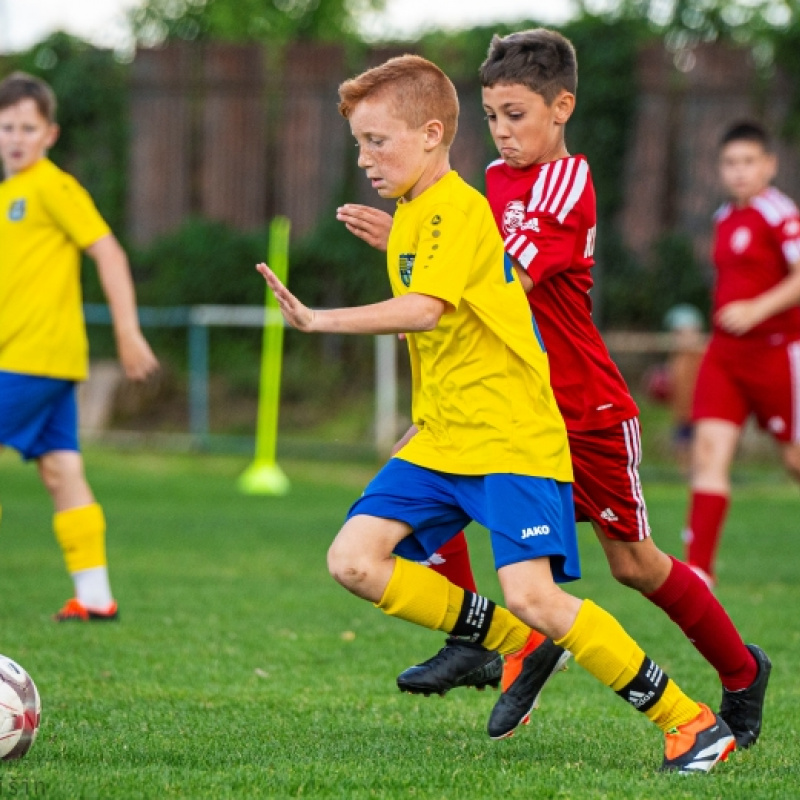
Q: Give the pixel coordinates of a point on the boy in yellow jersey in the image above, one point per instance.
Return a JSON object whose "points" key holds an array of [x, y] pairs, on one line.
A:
{"points": [[491, 444], [46, 220]]}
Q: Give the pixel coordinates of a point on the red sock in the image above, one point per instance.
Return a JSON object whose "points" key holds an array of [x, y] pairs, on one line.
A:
{"points": [[453, 562], [706, 516], [690, 604]]}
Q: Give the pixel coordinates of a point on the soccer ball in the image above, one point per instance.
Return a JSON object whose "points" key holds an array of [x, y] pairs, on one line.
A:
{"points": [[20, 710]]}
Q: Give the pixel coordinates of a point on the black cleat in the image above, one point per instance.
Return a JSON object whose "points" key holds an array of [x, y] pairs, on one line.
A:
{"points": [[526, 674], [743, 710], [458, 663]]}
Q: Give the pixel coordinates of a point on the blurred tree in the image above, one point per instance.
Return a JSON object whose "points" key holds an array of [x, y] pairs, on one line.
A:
{"points": [[156, 21], [744, 21]]}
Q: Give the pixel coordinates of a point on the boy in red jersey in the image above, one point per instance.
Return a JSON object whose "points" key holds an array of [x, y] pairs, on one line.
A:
{"points": [[544, 205], [756, 321]]}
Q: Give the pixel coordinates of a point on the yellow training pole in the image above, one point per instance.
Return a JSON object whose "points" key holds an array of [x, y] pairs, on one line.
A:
{"points": [[264, 476]]}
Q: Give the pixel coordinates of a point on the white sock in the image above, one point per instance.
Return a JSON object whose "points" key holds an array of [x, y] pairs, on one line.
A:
{"points": [[92, 588]]}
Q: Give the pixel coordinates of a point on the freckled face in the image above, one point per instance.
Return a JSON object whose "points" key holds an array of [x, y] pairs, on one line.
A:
{"points": [[392, 154], [25, 136]]}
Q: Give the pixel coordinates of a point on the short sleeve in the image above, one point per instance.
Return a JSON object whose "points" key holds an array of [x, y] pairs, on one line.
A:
{"points": [[544, 246], [73, 210], [789, 237]]}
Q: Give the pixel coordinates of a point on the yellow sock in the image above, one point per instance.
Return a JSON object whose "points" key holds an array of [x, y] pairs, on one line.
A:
{"points": [[601, 646], [420, 595], [81, 532]]}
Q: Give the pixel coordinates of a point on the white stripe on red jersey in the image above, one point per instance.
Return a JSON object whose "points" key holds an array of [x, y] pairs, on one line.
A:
{"points": [[577, 190], [569, 166], [791, 251]]}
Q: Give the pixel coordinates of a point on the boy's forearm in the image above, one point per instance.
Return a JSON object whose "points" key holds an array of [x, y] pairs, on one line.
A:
{"points": [[781, 296], [406, 314], [117, 283]]}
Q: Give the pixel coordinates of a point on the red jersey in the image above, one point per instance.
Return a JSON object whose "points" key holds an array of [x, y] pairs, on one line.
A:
{"points": [[546, 214], [753, 248]]}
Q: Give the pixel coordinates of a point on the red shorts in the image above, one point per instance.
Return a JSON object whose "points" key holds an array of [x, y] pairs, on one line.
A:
{"points": [[607, 488], [737, 379]]}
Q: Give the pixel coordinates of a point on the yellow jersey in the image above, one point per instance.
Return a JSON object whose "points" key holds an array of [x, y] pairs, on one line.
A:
{"points": [[46, 219], [481, 394]]}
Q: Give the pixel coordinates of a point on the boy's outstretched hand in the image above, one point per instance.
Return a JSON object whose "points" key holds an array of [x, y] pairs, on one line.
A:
{"points": [[370, 224], [294, 312]]}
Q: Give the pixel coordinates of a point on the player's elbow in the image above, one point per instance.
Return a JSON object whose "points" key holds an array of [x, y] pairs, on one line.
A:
{"points": [[427, 313]]}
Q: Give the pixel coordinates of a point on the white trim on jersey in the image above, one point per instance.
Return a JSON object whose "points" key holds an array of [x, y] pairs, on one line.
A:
{"points": [[521, 249], [633, 445], [577, 191], [791, 251], [562, 187], [774, 206], [793, 351], [548, 193], [527, 255], [722, 212], [538, 188], [495, 163], [784, 202]]}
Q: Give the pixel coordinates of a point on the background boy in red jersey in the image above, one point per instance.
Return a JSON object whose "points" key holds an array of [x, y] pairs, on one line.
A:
{"points": [[752, 365], [46, 220], [544, 205]]}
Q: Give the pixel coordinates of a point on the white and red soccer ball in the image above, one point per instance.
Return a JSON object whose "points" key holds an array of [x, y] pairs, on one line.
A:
{"points": [[20, 710]]}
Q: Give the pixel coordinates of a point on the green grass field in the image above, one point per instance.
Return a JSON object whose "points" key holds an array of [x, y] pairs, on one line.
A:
{"points": [[239, 668]]}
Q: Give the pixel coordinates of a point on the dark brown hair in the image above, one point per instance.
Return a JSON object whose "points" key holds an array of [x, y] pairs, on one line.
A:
{"points": [[747, 131], [541, 59], [22, 86]]}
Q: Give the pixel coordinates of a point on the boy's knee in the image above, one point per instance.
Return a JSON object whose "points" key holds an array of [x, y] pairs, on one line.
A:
{"points": [[791, 460], [347, 567]]}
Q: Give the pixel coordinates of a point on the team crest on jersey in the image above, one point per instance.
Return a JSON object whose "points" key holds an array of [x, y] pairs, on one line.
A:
{"points": [[16, 211], [406, 266], [740, 239], [513, 216]]}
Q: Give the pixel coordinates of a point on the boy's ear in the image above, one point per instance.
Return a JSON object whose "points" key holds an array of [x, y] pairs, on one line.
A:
{"points": [[434, 132], [563, 106], [52, 135], [772, 166]]}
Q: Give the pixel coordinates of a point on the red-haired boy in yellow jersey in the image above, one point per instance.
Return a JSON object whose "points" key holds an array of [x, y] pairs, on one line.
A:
{"points": [[490, 444], [46, 220]]}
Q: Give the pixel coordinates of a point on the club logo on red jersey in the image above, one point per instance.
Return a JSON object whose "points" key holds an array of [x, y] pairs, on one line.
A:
{"points": [[740, 239], [406, 266], [513, 216], [16, 211]]}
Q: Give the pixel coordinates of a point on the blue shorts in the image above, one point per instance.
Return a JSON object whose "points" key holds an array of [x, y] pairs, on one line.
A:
{"points": [[38, 415], [527, 517]]}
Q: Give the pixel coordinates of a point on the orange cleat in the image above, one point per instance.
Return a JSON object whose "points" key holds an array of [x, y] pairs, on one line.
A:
{"points": [[698, 745], [75, 610]]}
